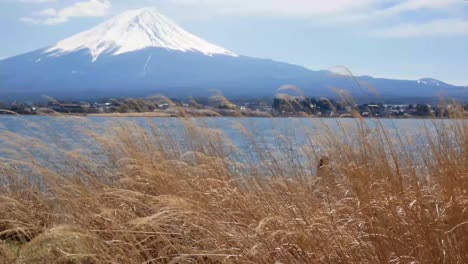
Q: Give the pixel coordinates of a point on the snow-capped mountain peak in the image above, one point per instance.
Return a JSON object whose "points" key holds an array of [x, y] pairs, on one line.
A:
{"points": [[135, 30]]}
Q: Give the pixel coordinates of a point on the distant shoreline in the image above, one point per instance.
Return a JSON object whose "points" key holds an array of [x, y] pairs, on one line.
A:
{"points": [[164, 115]]}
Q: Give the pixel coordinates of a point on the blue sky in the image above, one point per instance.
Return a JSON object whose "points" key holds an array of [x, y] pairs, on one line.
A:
{"points": [[404, 39]]}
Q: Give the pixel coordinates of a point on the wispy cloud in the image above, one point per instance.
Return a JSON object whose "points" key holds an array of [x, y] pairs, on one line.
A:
{"points": [[423, 17], [395, 9], [382, 18], [275, 8], [310, 8], [441, 27], [413, 5], [51, 16]]}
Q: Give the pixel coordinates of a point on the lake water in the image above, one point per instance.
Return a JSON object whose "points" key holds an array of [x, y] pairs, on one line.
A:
{"points": [[67, 132], [52, 128], [284, 138]]}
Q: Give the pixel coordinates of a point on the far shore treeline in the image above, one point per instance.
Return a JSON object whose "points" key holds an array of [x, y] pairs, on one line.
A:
{"points": [[280, 106]]}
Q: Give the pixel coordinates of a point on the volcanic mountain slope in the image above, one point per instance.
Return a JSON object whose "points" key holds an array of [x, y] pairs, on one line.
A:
{"points": [[141, 52]]}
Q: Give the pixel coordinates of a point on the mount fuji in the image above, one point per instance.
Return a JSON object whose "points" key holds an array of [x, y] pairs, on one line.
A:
{"points": [[141, 52]]}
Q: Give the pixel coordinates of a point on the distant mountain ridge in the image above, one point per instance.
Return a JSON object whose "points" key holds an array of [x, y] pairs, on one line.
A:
{"points": [[141, 52]]}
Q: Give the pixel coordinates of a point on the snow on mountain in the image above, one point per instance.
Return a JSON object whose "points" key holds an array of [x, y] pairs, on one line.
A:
{"points": [[430, 81], [136, 30]]}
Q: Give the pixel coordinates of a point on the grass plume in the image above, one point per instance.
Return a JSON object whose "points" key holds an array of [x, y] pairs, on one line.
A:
{"points": [[140, 193]]}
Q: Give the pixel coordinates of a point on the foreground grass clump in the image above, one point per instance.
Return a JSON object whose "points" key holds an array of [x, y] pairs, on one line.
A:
{"points": [[139, 194]]}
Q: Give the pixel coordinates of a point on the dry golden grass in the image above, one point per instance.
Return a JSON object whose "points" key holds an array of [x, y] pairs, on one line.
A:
{"points": [[143, 197]]}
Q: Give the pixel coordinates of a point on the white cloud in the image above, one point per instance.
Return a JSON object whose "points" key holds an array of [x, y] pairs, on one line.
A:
{"points": [[48, 12], [51, 16], [366, 15], [441, 27], [372, 14], [329, 9], [290, 8], [439, 16]]}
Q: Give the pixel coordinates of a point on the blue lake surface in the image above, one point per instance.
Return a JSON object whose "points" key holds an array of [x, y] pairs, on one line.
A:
{"points": [[48, 139], [70, 128], [68, 132]]}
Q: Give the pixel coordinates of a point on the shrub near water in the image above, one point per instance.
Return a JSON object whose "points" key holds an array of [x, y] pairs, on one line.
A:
{"points": [[142, 197]]}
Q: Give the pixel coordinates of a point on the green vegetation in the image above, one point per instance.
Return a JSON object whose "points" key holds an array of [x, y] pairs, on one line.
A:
{"points": [[140, 196]]}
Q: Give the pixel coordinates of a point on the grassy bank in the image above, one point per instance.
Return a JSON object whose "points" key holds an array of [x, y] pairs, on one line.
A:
{"points": [[367, 195]]}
